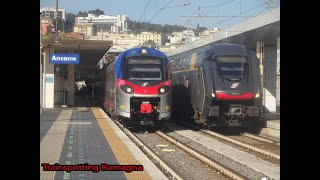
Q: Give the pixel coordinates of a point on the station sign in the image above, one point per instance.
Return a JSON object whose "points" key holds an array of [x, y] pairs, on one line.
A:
{"points": [[59, 58]]}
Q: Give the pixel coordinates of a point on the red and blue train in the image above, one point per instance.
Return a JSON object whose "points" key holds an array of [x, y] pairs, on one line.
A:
{"points": [[136, 87]]}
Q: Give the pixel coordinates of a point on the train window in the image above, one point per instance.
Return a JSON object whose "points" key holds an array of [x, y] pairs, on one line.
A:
{"points": [[232, 66], [183, 64], [174, 65], [186, 63], [179, 64], [144, 69]]}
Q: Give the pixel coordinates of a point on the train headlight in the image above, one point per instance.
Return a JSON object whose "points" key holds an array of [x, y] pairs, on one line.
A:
{"points": [[163, 89], [144, 51], [257, 94], [127, 89]]}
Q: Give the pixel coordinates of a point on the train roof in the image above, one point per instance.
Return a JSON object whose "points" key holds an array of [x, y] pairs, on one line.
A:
{"points": [[138, 51], [135, 52], [225, 49]]}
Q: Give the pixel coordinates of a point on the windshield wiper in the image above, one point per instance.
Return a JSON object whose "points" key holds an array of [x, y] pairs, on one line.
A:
{"points": [[233, 79]]}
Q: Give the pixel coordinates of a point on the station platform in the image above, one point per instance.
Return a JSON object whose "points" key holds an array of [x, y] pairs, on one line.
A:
{"points": [[271, 124], [91, 144]]}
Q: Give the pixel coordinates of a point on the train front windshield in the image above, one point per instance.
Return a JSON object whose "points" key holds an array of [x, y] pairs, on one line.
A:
{"points": [[144, 68], [233, 67]]}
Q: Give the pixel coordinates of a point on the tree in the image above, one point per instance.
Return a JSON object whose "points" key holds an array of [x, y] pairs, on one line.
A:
{"points": [[82, 14], [138, 27], [97, 12], [202, 28], [70, 19]]}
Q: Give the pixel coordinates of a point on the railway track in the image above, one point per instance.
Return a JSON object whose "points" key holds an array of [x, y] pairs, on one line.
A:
{"points": [[177, 160], [242, 160], [212, 163], [259, 138], [239, 141], [247, 141], [177, 163]]}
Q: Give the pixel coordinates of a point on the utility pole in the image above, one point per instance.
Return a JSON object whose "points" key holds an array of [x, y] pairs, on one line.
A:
{"points": [[57, 17], [40, 66], [199, 15]]}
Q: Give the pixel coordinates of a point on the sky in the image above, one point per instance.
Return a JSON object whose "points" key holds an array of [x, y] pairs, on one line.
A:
{"points": [[225, 12]]}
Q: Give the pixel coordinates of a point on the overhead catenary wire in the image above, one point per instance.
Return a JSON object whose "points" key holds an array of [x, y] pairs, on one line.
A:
{"points": [[167, 6], [160, 11], [144, 11], [192, 15], [254, 14], [201, 16], [180, 5], [239, 14], [231, 16], [218, 4]]}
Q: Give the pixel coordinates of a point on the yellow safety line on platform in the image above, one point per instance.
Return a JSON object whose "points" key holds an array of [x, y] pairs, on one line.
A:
{"points": [[120, 150]]}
